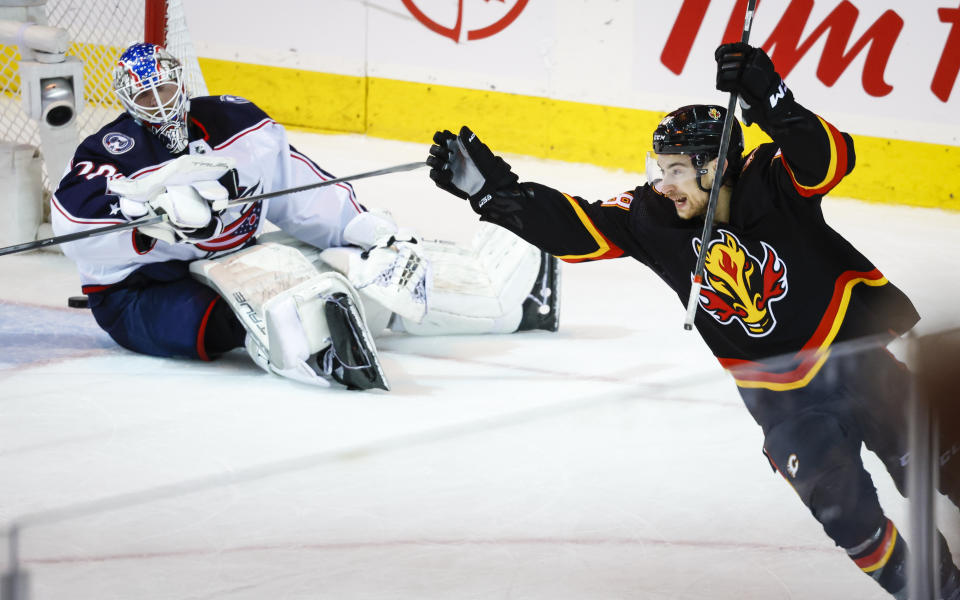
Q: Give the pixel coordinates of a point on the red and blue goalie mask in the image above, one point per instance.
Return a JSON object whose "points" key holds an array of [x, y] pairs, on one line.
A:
{"points": [[148, 81]]}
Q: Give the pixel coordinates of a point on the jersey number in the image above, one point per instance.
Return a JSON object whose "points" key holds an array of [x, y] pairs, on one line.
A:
{"points": [[87, 170]]}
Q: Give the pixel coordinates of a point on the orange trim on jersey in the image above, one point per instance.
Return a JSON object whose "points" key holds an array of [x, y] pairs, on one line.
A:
{"points": [[836, 170], [879, 557], [605, 248], [749, 374], [202, 333]]}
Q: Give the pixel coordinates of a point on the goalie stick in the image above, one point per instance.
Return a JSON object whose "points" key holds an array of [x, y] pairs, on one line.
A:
{"points": [[694, 298], [71, 237]]}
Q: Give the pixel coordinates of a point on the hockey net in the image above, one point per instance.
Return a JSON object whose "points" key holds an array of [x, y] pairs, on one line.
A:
{"points": [[99, 31]]}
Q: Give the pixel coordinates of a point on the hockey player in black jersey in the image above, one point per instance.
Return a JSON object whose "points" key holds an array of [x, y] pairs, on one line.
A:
{"points": [[790, 308]]}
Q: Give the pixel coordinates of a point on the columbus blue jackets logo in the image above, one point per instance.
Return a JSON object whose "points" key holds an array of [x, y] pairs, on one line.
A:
{"points": [[117, 143], [234, 99], [739, 287], [242, 228]]}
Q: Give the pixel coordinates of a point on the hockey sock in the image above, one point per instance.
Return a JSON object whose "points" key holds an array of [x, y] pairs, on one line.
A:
{"points": [[884, 558]]}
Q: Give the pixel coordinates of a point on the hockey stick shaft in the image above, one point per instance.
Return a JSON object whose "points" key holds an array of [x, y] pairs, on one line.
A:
{"points": [[319, 184], [72, 237], [80, 235], [725, 135]]}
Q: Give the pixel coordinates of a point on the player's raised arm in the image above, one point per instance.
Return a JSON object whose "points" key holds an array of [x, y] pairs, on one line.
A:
{"points": [[816, 154], [566, 226]]}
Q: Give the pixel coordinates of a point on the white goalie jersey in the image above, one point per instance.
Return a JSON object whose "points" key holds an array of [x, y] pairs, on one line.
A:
{"points": [[223, 126]]}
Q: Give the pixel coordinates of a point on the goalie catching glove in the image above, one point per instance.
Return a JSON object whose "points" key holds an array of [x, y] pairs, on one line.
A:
{"points": [[186, 191], [465, 167]]}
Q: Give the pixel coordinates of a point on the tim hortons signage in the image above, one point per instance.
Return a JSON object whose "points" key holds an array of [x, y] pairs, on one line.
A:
{"points": [[787, 46]]}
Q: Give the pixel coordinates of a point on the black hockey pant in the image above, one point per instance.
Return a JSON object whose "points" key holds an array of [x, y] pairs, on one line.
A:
{"points": [[813, 437]]}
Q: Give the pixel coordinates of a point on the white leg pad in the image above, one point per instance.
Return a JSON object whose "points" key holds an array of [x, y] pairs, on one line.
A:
{"points": [[278, 295], [377, 314], [469, 290], [480, 289], [297, 328]]}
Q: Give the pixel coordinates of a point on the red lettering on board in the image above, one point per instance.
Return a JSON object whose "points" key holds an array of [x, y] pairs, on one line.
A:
{"points": [[734, 32], [949, 66], [786, 46], [684, 32], [882, 35]]}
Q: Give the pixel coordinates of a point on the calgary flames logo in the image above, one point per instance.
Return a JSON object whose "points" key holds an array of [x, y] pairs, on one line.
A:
{"points": [[738, 286]]}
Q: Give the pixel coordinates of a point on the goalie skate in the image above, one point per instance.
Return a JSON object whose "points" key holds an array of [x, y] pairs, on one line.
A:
{"points": [[351, 358], [541, 309]]}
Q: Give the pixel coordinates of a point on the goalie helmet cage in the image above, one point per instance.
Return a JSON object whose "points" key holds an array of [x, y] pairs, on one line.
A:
{"points": [[99, 31]]}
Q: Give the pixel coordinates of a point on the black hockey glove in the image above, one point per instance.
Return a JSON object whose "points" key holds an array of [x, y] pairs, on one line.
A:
{"points": [[749, 72], [465, 167]]}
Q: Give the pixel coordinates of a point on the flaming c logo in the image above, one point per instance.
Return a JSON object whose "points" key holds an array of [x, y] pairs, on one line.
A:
{"points": [[740, 287], [454, 33]]}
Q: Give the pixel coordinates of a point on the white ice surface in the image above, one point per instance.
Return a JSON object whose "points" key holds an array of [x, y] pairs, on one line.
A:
{"points": [[612, 459]]}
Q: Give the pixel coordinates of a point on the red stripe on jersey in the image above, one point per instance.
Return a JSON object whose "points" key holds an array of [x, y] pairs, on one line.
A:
{"points": [[879, 557], [133, 242], [150, 169], [605, 248], [206, 136], [815, 352], [93, 289], [202, 333], [238, 232], [63, 211], [836, 170], [612, 252], [324, 177], [240, 134], [220, 246]]}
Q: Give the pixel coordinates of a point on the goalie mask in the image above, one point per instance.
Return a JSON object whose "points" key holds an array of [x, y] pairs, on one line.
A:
{"points": [[695, 130], [148, 80]]}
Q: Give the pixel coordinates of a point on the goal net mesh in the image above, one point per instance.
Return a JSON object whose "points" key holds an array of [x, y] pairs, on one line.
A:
{"points": [[99, 31]]}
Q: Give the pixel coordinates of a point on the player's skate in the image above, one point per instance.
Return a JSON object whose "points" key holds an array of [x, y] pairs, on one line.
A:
{"points": [[541, 309], [350, 359]]}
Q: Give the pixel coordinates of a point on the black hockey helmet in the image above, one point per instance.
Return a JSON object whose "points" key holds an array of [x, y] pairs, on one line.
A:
{"points": [[695, 130]]}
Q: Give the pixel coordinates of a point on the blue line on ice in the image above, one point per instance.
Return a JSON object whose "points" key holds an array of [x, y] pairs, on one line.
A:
{"points": [[30, 334]]}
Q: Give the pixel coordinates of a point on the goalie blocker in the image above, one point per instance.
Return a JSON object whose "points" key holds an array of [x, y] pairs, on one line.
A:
{"points": [[310, 314]]}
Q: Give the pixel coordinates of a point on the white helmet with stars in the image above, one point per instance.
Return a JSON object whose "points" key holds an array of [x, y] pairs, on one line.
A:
{"points": [[148, 80]]}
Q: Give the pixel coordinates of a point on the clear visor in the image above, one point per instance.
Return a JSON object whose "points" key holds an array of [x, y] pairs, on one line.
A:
{"points": [[153, 101], [669, 169]]}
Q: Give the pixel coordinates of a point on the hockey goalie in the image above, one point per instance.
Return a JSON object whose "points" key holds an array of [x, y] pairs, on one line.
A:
{"points": [[306, 300]]}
